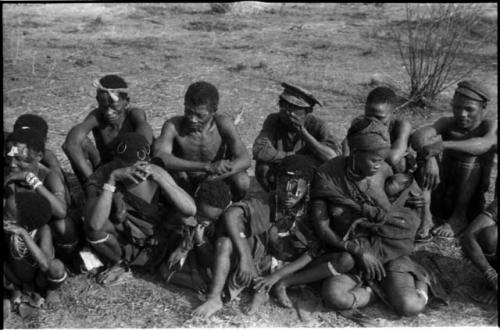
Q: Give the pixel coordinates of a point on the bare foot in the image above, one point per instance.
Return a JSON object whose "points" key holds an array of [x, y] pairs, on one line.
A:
{"points": [[258, 299], [53, 299], [452, 228], [209, 307], [425, 227], [279, 292]]}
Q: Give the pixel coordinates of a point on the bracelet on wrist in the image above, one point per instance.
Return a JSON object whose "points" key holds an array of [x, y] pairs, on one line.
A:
{"points": [[33, 181], [109, 187]]}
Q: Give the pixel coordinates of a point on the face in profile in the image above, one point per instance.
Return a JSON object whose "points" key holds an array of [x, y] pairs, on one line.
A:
{"points": [[197, 116], [381, 111], [368, 163], [290, 190], [468, 113], [111, 109], [20, 158]]}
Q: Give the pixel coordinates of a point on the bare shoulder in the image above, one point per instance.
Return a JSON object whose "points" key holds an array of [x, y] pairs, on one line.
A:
{"points": [[172, 125], [224, 123]]}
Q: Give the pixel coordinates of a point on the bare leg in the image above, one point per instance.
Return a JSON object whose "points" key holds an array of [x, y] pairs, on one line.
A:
{"points": [[66, 236], [468, 181], [338, 263], [240, 184], [258, 299], [341, 292], [222, 264], [261, 174], [91, 157], [104, 243], [407, 296], [426, 217]]}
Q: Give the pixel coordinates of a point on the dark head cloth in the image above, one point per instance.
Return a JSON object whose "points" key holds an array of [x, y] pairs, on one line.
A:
{"points": [[31, 137], [33, 210], [298, 165], [131, 147], [368, 134], [29, 120], [298, 96], [473, 90]]}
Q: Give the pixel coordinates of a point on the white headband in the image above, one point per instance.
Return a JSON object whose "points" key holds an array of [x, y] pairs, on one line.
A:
{"points": [[113, 92]]}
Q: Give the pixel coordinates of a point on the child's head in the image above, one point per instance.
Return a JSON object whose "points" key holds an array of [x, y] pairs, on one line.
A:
{"points": [[30, 120], [130, 148], [369, 142], [293, 178], [380, 104], [395, 184], [211, 198], [25, 149]]}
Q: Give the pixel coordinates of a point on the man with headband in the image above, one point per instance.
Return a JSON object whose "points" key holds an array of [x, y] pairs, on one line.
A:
{"points": [[352, 213], [113, 116], [455, 157], [203, 144], [132, 205], [294, 129]]}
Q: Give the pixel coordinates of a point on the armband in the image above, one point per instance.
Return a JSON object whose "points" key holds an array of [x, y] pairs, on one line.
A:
{"points": [[109, 187]]}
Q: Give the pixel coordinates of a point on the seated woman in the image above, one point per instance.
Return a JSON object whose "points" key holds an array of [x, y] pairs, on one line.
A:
{"points": [[30, 266], [480, 246], [352, 212], [25, 149], [131, 206]]}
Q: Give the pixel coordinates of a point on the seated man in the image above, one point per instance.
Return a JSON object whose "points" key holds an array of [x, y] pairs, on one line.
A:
{"points": [[112, 117], [480, 245], [454, 157], [190, 264], [293, 130], [25, 149], [203, 145], [352, 212], [380, 104], [131, 203], [30, 266]]}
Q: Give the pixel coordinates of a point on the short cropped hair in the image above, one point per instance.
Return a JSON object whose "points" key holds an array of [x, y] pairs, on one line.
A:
{"points": [[202, 93], [29, 120], [381, 95], [31, 137], [214, 193]]}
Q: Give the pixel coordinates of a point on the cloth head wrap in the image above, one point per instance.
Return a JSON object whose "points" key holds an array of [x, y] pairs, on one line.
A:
{"points": [[113, 92], [298, 96], [298, 165], [368, 134], [132, 147]]}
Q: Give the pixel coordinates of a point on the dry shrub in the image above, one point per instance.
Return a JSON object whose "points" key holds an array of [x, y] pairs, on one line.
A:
{"points": [[431, 41]]}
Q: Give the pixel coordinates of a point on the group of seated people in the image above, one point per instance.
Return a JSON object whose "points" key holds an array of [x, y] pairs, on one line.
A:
{"points": [[343, 214]]}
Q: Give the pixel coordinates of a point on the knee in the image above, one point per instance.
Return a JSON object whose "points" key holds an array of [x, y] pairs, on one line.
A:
{"points": [[346, 262], [487, 239], [241, 181], [56, 269], [335, 295], [410, 305]]}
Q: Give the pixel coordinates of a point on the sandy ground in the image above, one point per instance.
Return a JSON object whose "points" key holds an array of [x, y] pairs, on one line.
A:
{"points": [[52, 53]]}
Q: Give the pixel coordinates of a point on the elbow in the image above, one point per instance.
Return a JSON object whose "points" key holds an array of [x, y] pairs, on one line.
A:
{"points": [[190, 209]]}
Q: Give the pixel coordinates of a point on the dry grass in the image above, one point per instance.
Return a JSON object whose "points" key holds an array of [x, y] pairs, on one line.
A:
{"points": [[334, 50]]}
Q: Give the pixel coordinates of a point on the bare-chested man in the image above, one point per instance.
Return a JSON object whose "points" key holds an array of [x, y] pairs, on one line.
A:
{"points": [[112, 117], [455, 157], [202, 144], [294, 129]]}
